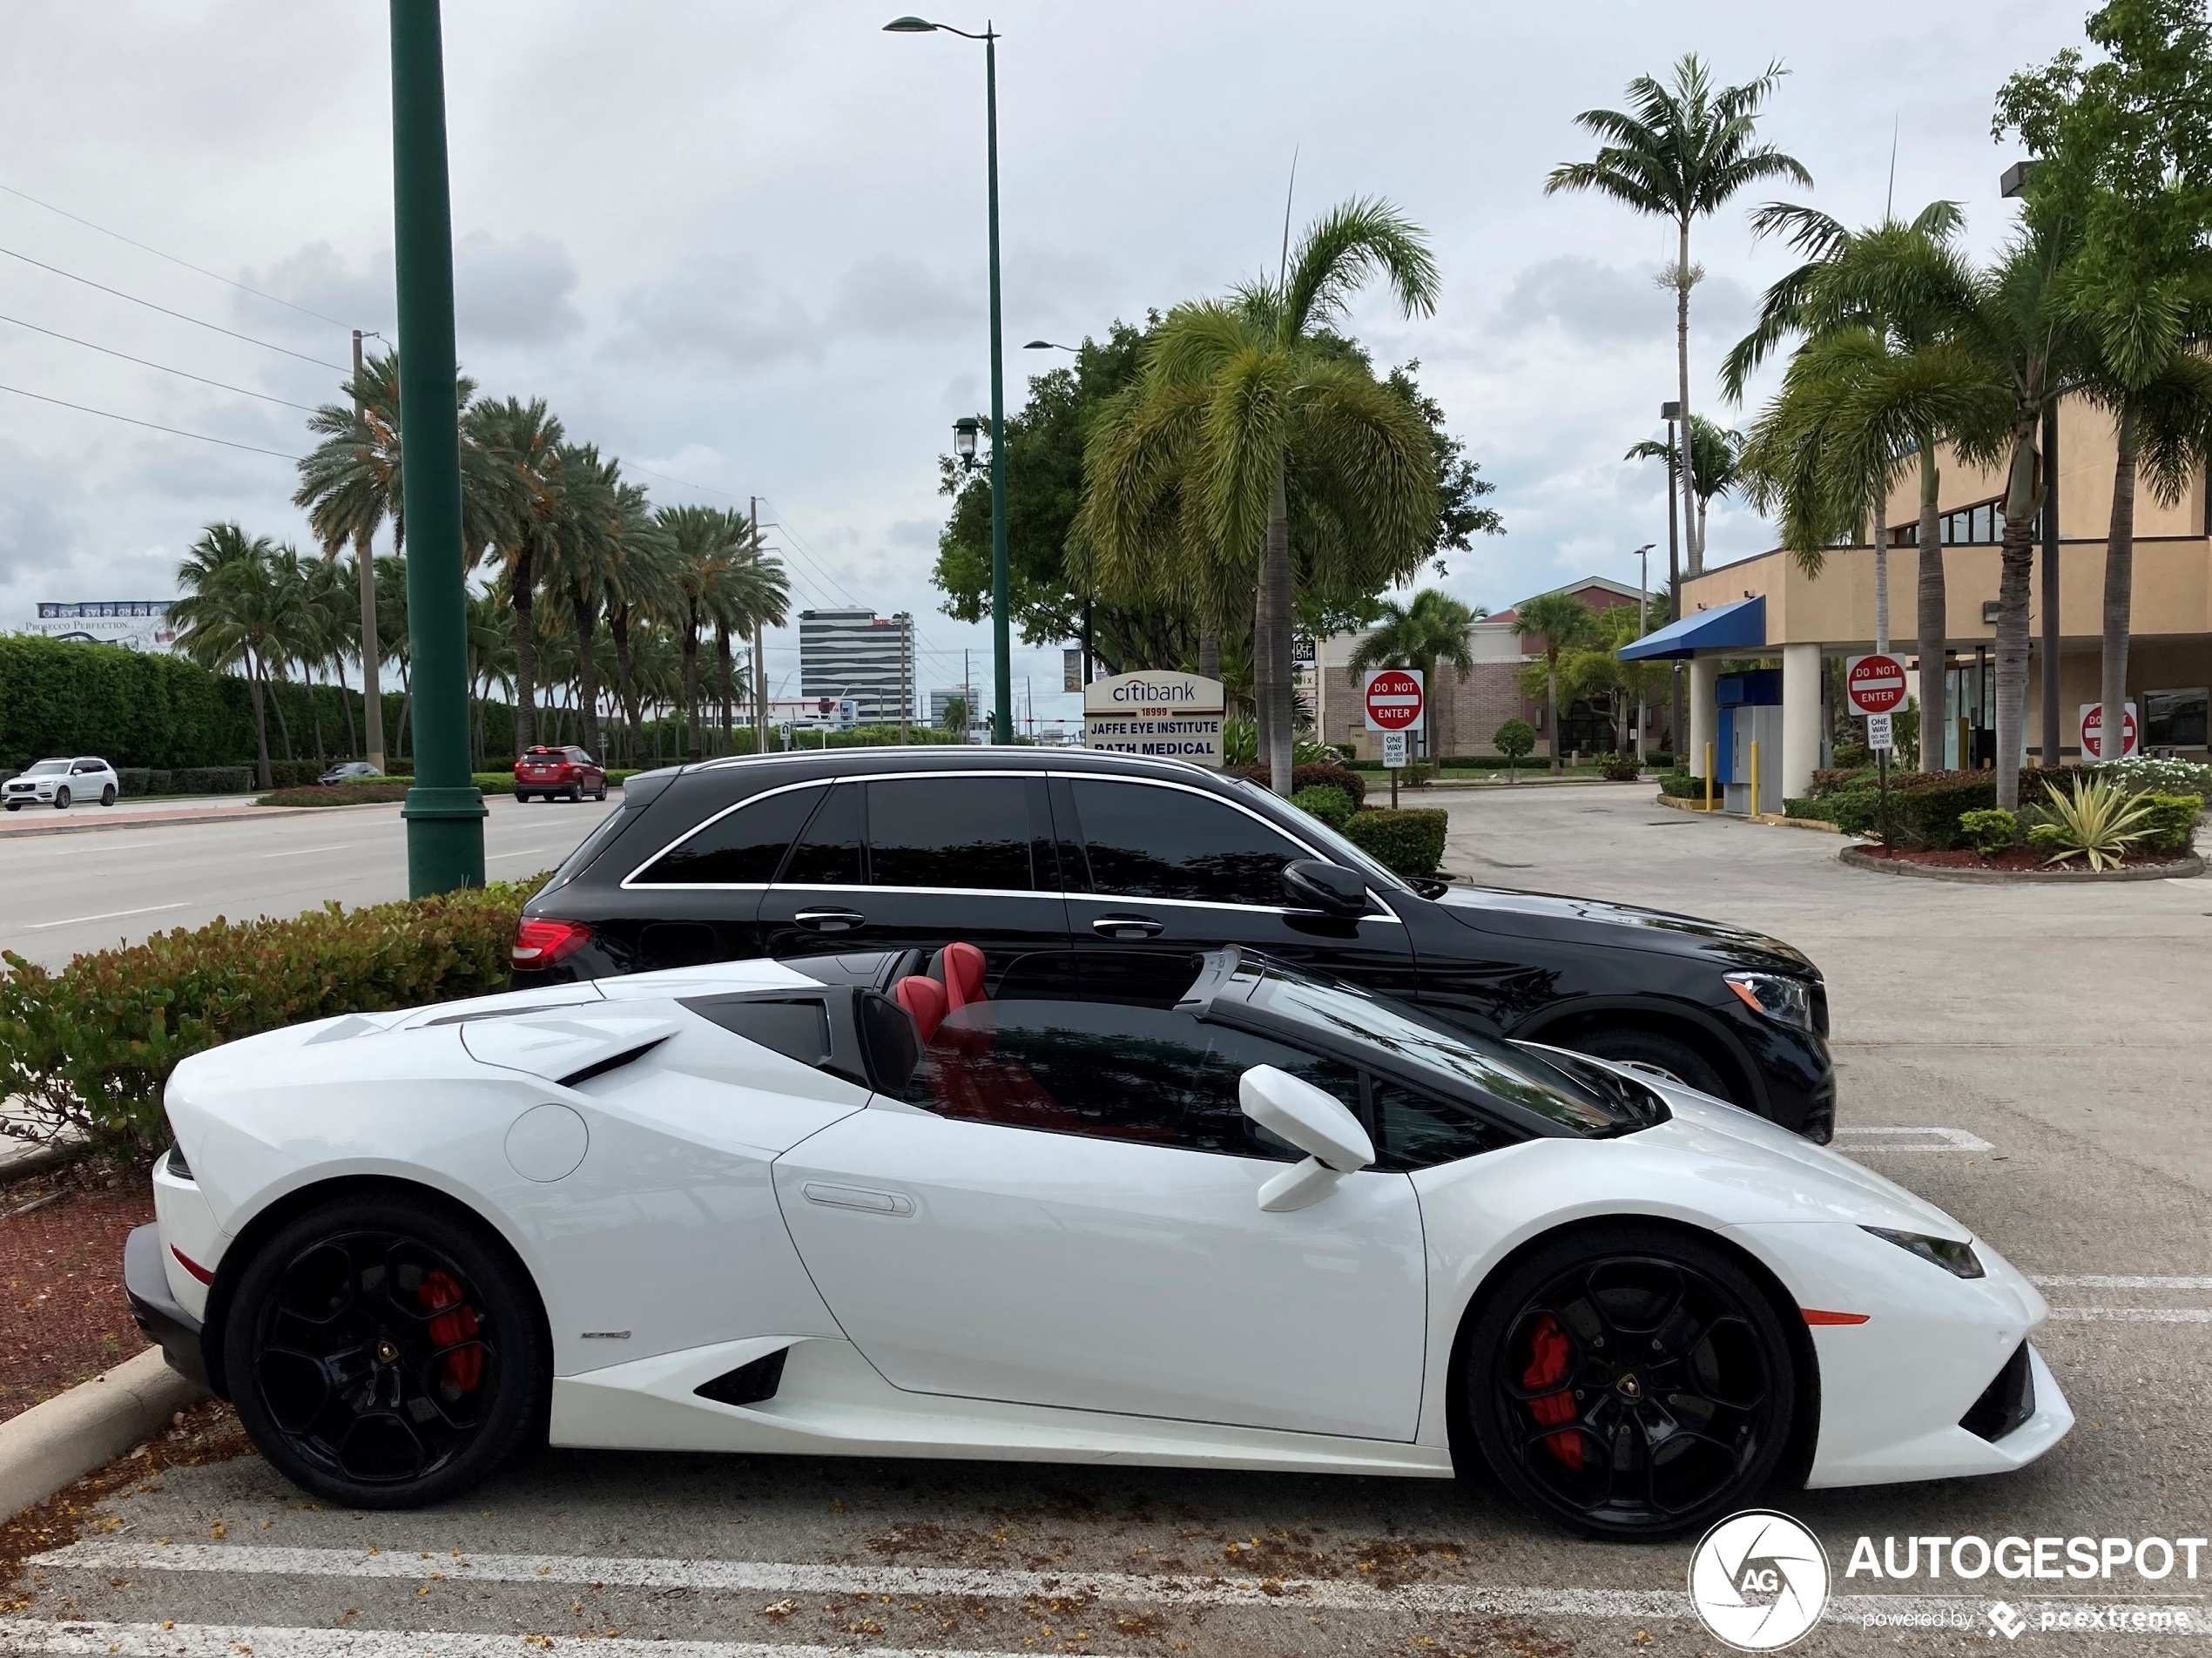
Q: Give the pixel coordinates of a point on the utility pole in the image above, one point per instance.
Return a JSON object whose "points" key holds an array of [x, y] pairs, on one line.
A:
{"points": [[372, 647], [759, 658], [2052, 753], [444, 811]]}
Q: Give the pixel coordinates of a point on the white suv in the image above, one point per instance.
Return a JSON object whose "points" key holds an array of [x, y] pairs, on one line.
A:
{"points": [[57, 783]]}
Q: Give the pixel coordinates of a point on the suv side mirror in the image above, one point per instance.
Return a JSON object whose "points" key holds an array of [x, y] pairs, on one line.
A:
{"points": [[1330, 888], [1312, 1120]]}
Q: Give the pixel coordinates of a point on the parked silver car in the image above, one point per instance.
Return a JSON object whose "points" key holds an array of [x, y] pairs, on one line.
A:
{"points": [[57, 783]]}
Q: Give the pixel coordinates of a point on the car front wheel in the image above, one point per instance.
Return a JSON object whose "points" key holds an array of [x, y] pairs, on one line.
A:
{"points": [[107, 795], [384, 1354], [61, 799], [1628, 1382]]}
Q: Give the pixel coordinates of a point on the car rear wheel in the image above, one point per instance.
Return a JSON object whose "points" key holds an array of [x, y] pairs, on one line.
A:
{"points": [[576, 793], [383, 1353], [1639, 1045], [107, 795], [1628, 1382], [521, 795], [61, 799]]}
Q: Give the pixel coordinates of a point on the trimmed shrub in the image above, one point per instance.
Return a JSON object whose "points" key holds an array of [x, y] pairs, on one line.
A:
{"points": [[1516, 738], [1804, 806], [212, 779], [1927, 815], [132, 779], [2169, 821], [1332, 807], [338, 794], [1621, 768], [1409, 841], [1990, 829], [90, 1047], [1835, 780], [1342, 778], [1680, 785], [2148, 774]]}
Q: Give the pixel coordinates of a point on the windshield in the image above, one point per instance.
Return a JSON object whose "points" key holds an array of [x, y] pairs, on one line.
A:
{"points": [[1505, 1073], [47, 768], [1315, 832]]}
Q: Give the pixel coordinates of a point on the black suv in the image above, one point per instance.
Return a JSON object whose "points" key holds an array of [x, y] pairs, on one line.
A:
{"points": [[1103, 871]]}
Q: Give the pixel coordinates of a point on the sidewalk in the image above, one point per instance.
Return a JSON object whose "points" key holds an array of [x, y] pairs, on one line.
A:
{"points": [[89, 820]]}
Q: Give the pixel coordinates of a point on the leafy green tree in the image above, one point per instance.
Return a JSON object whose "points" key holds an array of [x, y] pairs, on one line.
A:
{"points": [[1430, 629], [1561, 622], [1241, 420], [1681, 153], [1516, 741]]}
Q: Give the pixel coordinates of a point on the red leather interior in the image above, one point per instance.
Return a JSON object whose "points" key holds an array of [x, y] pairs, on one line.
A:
{"points": [[960, 968], [924, 1000]]}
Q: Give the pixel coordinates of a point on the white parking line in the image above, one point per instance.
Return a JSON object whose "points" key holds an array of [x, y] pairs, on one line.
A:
{"points": [[1952, 1139], [112, 915], [2133, 1315], [2106, 1281], [521, 852]]}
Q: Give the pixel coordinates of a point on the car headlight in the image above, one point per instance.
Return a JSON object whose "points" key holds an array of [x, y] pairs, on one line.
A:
{"points": [[1787, 1001], [1958, 1259]]}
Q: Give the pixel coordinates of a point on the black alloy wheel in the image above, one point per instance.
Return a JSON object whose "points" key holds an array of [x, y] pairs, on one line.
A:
{"points": [[61, 799], [383, 1353], [1630, 1382]]}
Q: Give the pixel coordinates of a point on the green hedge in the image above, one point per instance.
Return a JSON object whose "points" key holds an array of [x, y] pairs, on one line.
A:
{"points": [[338, 794], [1680, 785], [1409, 840], [2169, 821], [1316, 775], [90, 1046]]}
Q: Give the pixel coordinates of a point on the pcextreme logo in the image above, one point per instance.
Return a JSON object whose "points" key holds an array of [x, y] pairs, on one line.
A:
{"points": [[1758, 1580]]}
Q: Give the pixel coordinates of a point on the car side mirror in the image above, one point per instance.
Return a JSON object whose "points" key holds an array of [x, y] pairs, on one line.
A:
{"points": [[1312, 1120], [1330, 888]]}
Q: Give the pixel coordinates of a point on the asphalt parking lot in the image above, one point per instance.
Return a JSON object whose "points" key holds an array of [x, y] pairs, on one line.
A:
{"points": [[2030, 1059]]}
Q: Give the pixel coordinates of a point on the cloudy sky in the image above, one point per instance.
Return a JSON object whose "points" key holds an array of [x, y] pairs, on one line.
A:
{"points": [[741, 246]]}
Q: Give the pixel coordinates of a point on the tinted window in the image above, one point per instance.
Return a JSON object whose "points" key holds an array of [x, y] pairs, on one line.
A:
{"points": [[828, 854], [1417, 1130], [1151, 842], [743, 847], [797, 1029], [951, 831], [1136, 1074]]}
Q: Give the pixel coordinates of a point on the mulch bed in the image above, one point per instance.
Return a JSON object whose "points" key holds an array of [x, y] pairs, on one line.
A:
{"points": [[63, 1317], [2019, 860], [337, 794]]}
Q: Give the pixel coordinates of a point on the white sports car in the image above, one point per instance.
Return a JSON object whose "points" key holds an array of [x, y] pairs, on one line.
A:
{"points": [[1197, 1210]]}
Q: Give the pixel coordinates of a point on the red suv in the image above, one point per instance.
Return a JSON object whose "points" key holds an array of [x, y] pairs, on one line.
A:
{"points": [[559, 774]]}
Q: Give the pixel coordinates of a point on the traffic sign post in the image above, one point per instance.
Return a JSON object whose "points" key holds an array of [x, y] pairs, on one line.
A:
{"points": [[1875, 685], [1393, 699], [2092, 723]]}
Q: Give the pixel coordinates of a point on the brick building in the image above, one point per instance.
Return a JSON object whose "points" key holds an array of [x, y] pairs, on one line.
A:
{"points": [[1470, 708]]}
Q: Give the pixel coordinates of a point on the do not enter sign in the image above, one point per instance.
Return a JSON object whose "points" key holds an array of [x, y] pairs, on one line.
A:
{"points": [[1874, 684], [1392, 697]]}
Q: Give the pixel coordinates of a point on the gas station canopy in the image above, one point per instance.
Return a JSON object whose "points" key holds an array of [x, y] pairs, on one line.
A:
{"points": [[1740, 626]]}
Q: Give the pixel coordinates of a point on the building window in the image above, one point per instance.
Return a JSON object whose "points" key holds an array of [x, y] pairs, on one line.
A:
{"points": [[2175, 719], [1982, 524]]}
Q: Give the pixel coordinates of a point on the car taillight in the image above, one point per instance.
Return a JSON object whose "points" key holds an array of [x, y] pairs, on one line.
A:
{"points": [[540, 943]]}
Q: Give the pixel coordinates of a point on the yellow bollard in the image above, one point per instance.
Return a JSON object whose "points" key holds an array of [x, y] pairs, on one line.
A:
{"points": [[1754, 812], [1709, 777]]}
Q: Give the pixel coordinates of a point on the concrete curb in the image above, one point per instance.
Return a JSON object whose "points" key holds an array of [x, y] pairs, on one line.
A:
{"points": [[232, 814], [1698, 807], [68, 1435], [1858, 858]]}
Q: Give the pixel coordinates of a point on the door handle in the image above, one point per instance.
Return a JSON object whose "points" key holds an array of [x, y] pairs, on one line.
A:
{"points": [[1128, 926], [830, 920], [861, 1197]]}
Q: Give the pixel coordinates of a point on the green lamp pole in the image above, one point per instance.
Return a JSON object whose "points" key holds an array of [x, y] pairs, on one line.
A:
{"points": [[444, 812], [1002, 649]]}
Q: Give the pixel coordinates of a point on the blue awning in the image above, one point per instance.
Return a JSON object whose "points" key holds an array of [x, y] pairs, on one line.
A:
{"points": [[1740, 626]]}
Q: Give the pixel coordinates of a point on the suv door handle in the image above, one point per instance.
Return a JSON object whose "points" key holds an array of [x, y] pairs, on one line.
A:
{"points": [[830, 920], [1128, 926]]}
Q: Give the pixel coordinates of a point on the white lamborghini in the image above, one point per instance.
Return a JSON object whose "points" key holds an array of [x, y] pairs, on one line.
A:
{"points": [[1180, 1210]]}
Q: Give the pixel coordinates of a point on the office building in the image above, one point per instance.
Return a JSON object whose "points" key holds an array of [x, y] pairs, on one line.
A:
{"points": [[859, 655]]}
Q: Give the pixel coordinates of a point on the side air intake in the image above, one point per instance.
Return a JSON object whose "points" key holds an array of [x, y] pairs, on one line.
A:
{"points": [[748, 1384], [2005, 1403]]}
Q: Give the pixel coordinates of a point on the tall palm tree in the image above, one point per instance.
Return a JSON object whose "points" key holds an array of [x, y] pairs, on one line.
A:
{"points": [[1262, 428], [637, 588], [1681, 153], [703, 544], [1430, 629], [1715, 463], [1562, 622], [488, 633], [236, 612], [521, 444]]}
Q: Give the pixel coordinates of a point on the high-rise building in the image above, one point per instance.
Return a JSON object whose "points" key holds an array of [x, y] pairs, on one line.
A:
{"points": [[858, 654]]}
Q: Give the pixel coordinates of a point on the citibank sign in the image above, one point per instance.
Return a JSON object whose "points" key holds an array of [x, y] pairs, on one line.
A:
{"points": [[1164, 715], [1123, 693]]}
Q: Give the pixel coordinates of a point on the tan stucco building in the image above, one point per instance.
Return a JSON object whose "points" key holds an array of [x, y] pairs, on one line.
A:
{"points": [[1807, 619]]}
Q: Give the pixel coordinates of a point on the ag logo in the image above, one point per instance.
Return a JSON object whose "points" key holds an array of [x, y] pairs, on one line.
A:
{"points": [[1758, 1580]]}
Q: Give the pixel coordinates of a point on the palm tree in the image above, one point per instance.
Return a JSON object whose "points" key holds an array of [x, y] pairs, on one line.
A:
{"points": [[1715, 463], [1562, 621], [1251, 427], [637, 588], [1681, 153], [703, 545], [521, 444], [488, 634], [1431, 629], [237, 613]]}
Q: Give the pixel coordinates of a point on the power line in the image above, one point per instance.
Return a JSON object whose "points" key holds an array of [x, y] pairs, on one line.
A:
{"points": [[685, 482], [341, 368], [174, 431], [147, 248], [163, 368]]}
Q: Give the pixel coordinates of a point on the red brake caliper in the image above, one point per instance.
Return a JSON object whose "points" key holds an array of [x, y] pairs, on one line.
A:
{"points": [[437, 1292], [1550, 1351]]}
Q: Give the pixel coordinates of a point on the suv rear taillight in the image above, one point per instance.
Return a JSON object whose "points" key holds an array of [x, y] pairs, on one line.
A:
{"points": [[540, 943]]}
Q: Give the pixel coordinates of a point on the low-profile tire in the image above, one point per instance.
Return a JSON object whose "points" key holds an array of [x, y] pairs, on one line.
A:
{"points": [[1641, 1044], [107, 795], [61, 799], [383, 1352], [1629, 1381]]}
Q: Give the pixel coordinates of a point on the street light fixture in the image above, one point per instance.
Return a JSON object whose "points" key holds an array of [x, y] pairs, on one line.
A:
{"points": [[1050, 345], [1001, 645], [964, 435]]}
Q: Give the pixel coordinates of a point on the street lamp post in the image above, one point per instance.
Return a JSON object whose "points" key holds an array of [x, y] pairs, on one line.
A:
{"points": [[1644, 625], [1001, 649], [1677, 734], [444, 811]]}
